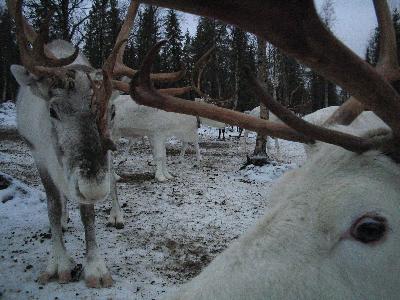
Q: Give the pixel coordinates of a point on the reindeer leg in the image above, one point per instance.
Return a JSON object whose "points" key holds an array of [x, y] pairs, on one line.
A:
{"points": [[96, 272], [268, 144], [197, 148], [116, 218], [277, 148], [158, 146], [183, 151], [65, 213], [164, 162], [60, 263]]}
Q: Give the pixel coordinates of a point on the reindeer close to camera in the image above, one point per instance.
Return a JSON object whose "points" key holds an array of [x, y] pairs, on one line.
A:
{"points": [[62, 112], [333, 231], [62, 122]]}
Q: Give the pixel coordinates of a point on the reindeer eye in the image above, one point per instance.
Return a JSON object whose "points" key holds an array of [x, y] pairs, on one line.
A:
{"points": [[53, 114], [369, 229]]}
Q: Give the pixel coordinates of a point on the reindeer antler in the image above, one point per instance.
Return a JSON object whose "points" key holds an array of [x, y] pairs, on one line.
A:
{"points": [[36, 60], [120, 68], [143, 92], [294, 26], [199, 69], [387, 65]]}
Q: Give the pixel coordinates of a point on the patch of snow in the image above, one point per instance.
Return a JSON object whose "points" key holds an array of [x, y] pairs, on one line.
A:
{"points": [[8, 115], [18, 201]]}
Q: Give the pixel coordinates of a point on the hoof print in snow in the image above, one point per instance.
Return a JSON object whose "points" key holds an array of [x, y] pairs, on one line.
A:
{"points": [[7, 191], [5, 182]]}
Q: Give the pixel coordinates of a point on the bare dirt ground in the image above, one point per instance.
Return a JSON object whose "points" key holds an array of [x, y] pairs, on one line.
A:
{"points": [[172, 230]]}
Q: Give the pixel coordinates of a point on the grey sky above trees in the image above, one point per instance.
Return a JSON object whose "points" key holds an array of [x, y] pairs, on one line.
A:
{"points": [[354, 22]]}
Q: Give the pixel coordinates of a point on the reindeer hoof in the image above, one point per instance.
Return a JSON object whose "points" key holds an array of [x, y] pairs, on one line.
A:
{"points": [[59, 267], [44, 278], [104, 281], [97, 275], [169, 176], [116, 221], [63, 277], [161, 179]]}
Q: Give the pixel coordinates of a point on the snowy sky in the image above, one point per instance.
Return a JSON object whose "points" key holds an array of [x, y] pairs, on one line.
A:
{"points": [[354, 22]]}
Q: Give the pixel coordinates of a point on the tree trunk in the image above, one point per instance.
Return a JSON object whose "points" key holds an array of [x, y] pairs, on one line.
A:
{"points": [[260, 149], [64, 18], [4, 94], [236, 95], [326, 93]]}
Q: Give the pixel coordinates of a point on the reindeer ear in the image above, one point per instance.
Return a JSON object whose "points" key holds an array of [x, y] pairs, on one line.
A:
{"points": [[25, 78], [22, 76]]}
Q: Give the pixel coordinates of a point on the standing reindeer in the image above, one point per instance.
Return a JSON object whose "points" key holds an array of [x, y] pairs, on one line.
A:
{"points": [[334, 230], [130, 119], [62, 115]]}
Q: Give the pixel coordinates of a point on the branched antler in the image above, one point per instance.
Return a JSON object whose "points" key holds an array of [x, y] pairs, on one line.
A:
{"points": [[35, 59], [294, 26], [143, 92]]}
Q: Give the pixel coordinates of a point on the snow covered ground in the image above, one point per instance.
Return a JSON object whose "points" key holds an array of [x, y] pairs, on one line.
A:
{"points": [[172, 230]]}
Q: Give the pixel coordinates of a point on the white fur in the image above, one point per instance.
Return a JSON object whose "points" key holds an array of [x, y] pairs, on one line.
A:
{"points": [[366, 119], [301, 249], [133, 120], [61, 178]]}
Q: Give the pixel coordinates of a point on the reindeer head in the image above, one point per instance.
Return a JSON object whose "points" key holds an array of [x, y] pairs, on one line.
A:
{"points": [[333, 232], [71, 100]]}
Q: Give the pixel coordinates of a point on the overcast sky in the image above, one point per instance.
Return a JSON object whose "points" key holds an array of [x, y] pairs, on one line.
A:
{"points": [[354, 22]]}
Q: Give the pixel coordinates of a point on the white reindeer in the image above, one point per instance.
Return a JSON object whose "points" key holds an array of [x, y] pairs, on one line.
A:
{"points": [[333, 229], [129, 119], [62, 115], [132, 120], [211, 123], [55, 119]]}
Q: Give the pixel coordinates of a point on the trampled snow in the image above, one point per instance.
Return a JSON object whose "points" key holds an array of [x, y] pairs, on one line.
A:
{"points": [[172, 230]]}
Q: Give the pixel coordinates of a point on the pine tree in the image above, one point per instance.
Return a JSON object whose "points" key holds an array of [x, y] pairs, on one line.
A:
{"points": [[372, 51], [101, 31], [67, 19], [204, 39], [171, 56], [9, 54], [260, 149], [243, 55], [323, 93], [147, 34]]}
